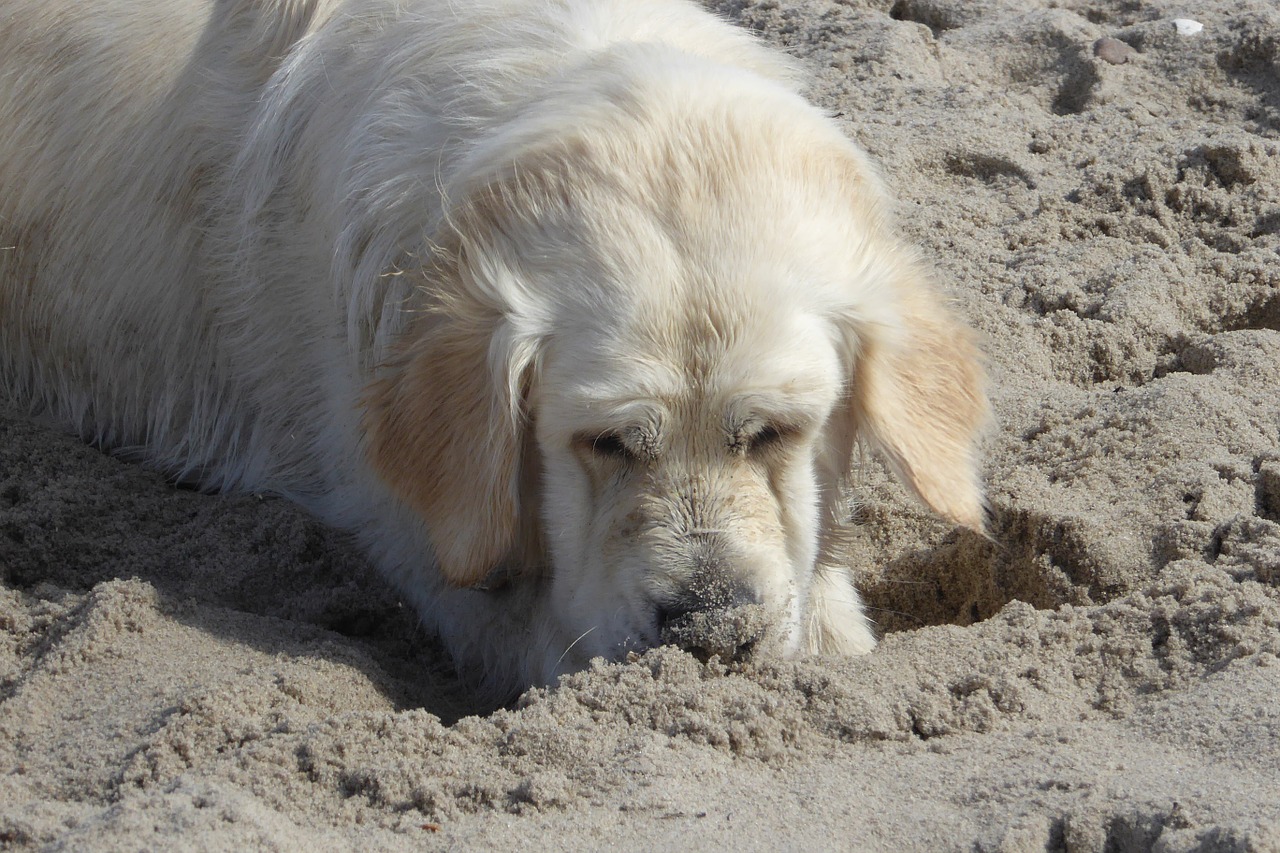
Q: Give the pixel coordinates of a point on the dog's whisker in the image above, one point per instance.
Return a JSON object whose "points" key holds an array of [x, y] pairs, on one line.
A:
{"points": [[902, 613], [569, 648]]}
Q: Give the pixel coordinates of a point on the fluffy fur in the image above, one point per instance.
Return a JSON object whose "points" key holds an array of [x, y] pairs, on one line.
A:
{"points": [[573, 311]]}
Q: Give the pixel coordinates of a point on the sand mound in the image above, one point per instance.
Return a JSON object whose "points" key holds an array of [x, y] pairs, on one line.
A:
{"points": [[179, 669]]}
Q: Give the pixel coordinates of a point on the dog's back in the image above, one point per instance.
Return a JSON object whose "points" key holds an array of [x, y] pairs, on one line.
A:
{"points": [[121, 123]]}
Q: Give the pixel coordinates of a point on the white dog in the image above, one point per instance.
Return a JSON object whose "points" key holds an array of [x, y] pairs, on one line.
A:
{"points": [[572, 310]]}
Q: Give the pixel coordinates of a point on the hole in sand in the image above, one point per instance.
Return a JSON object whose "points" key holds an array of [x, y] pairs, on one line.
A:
{"points": [[988, 168], [1076, 91], [937, 17], [966, 578]]}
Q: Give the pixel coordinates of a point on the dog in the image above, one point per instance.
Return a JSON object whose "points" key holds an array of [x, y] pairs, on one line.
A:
{"points": [[573, 312]]}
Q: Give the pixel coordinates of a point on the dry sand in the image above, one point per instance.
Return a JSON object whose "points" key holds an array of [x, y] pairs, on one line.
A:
{"points": [[182, 670]]}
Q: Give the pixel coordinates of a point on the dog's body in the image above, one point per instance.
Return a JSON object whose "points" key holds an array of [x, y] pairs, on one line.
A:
{"points": [[574, 298]]}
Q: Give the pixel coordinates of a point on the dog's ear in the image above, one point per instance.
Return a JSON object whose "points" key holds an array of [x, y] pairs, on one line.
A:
{"points": [[917, 394], [446, 423], [443, 433]]}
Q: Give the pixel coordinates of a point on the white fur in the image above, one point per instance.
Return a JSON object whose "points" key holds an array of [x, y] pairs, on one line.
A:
{"points": [[237, 237]]}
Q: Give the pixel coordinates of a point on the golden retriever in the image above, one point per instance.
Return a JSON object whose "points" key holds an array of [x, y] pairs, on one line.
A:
{"points": [[573, 311]]}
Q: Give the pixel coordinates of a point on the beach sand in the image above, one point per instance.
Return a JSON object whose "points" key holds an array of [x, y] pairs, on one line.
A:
{"points": [[189, 671]]}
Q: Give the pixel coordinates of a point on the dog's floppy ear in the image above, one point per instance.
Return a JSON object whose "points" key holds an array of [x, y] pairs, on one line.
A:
{"points": [[917, 394], [443, 433], [446, 422]]}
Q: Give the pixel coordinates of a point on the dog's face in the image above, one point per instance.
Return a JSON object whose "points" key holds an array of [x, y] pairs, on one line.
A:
{"points": [[679, 470], [644, 368]]}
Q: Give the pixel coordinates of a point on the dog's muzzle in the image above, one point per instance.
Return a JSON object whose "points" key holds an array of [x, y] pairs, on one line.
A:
{"points": [[715, 615]]}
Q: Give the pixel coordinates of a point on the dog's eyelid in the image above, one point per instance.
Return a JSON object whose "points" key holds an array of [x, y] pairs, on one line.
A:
{"points": [[610, 444], [769, 434], [761, 437]]}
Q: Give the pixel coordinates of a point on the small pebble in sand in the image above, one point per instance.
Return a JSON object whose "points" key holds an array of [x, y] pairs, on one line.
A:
{"points": [[1112, 50], [1187, 27]]}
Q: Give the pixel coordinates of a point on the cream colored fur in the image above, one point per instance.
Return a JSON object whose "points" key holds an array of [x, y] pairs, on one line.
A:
{"points": [[562, 306]]}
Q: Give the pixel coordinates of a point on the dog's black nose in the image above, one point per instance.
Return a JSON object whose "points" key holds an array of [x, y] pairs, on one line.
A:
{"points": [[713, 618]]}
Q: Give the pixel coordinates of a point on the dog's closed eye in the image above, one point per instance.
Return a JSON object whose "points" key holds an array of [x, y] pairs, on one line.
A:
{"points": [[768, 437], [760, 440], [611, 445]]}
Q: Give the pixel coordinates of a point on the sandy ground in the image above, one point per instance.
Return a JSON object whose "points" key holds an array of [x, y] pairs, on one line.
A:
{"points": [[188, 671]]}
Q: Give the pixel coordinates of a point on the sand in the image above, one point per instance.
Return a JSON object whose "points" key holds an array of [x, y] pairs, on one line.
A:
{"points": [[180, 670]]}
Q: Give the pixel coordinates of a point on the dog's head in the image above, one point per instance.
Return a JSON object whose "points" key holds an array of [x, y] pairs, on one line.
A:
{"points": [[652, 340]]}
